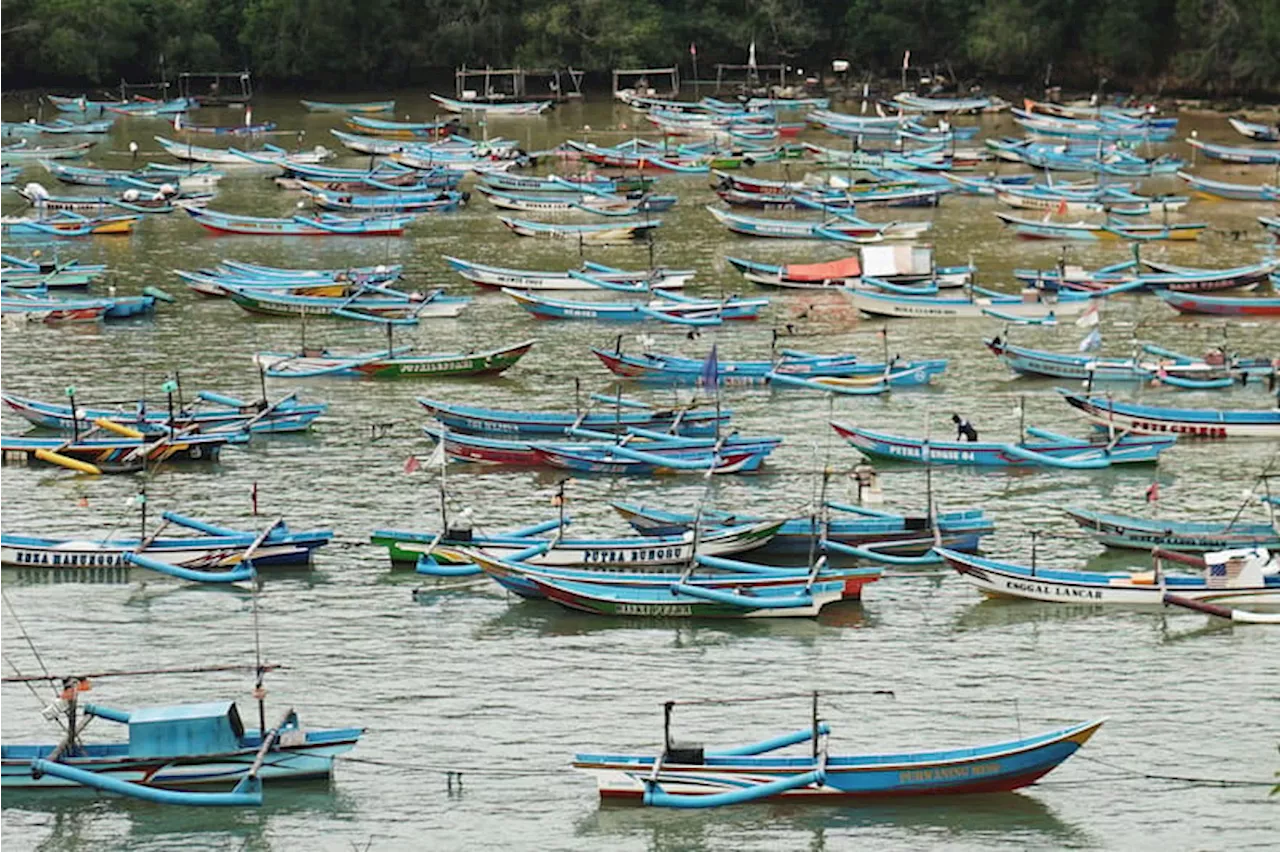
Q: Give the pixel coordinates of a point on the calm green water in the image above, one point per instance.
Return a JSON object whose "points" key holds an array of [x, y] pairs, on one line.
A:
{"points": [[465, 678]]}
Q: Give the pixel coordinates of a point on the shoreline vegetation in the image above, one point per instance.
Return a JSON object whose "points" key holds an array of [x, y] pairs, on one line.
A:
{"points": [[1207, 49]]}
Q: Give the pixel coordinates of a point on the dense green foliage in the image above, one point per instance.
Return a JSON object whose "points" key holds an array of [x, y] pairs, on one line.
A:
{"points": [[1216, 46]]}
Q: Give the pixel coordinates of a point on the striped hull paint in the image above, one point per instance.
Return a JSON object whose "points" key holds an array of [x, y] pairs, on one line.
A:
{"points": [[313, 759], [1007, 580], [983, 769], [1192, 423], [1187, 303], [1126, 532]]}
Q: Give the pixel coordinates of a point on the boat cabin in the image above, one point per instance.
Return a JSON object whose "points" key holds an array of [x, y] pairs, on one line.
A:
{"points": [[185, 729]]}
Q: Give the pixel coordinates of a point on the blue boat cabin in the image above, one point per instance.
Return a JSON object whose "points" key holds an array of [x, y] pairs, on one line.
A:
{"points": [[185, 729]]}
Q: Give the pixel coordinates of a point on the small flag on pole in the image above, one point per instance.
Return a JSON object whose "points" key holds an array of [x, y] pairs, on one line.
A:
{"points": [[1092, 340], [751, 56], [177, 121], [1062, 207], [436, 459], [1089, 317], [411, 464], [253, 497], [1153, 492], [906, 60], [711, 369], [693, 49]]}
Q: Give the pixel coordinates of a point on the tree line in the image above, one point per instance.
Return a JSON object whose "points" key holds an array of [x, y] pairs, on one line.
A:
{"points": [[1208, 46]]}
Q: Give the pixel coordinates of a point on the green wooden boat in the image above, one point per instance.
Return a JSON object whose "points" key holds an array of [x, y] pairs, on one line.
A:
{"points": [[392, 363]]}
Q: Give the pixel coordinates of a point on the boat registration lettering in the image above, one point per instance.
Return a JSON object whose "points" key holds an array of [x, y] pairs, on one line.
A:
{"points": [[948, 773], [1054, 591], [654, 609], [642, 554]]}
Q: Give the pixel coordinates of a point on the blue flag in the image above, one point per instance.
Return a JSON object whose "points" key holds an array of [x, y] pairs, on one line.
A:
{"points": [[711, 369], [1091, 341]]}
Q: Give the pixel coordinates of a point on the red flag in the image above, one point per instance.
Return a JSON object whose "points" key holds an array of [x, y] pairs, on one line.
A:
{"points": [[411, 464], [1062, 207], [1153, 492], [253, 496], [693, 49]]}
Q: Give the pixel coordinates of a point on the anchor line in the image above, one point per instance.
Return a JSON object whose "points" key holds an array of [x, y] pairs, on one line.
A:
{"points": [[1190, 780]]}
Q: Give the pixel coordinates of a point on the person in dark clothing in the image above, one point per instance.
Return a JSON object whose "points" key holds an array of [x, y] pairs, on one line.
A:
{"points": [[964, 429]]}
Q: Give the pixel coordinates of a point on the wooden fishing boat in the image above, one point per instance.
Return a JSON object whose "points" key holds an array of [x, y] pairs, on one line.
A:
{"points": [[228, 413], [1217, 189], [150, 107], [687, 421], [33, 301], [22, 152], [909, 265], [172, 749], [499, 108], [1243, 576], [909, 102], [660, 278], [53, 312], [623, 554], [1110, 414], [1254, 130], [1128, 276], [1270, 224], [358, 107], [66, 224], [1194, 303], [224, 129], [695, 777], [392, 363], [1135, 533], [213, 284], [131, 200], [1106, 200], [427, 201], [598, 203], [668, 369], [856, 526], [402, 129], [80, 104], [1060, 365], [1109, 230], [1034, 305], [59, 127], [214, 549], [597, 234], [58, 274], [666, 307], [1051, 450], [269, 155], [841, 226], [323, 225], [589, 182], [117, 455], [368, 302], [635, 451], [745, 593], [1236, 154], [149, 178]]}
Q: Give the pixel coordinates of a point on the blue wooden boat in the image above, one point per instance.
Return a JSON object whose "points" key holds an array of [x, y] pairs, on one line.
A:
{"points": [[1216, 189], [1127, 276], [149, 107], [370, 302], [401, 129], [500, 108], [1270, 224], [1253, 578], [695, 777], [856, 526], [378, 274], [428, 201], [1050, 450], [598, 203], [841, 226], [34, 301], [323, 225], [666, 307], [730, 589], [908, 102], [149, 178], [1135, 533], [660, 368], [1063, 365], [88, 454], [904, 266], [604, 233], [357, 107], [591, 182], [688, 422], [634, 451], [174, 750], [1110, 229], [58, 127], [228, 413], [215, 549], [1143, 419], [80, 104], [1041, 306], [593, 277], [1254, 130], [1236, 153]]}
